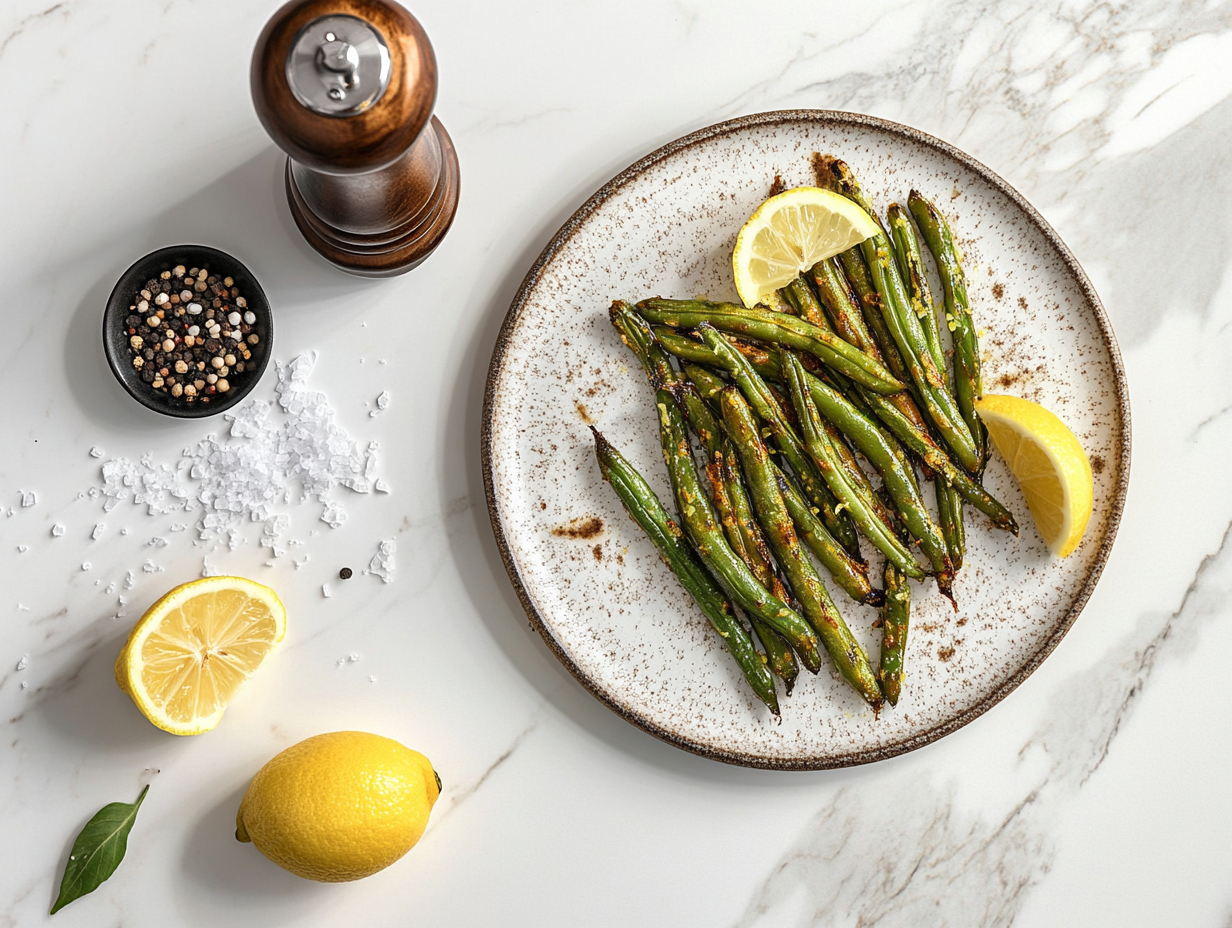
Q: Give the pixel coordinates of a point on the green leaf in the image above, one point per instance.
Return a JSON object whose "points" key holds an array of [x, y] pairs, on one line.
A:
{"points": [[98, 850]]}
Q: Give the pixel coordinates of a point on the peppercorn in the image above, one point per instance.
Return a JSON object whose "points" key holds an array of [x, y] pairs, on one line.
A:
{"points": [[205, 336]]}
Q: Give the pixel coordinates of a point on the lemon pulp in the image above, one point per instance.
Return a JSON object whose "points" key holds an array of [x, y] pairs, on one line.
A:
{"points": [[1049, 464], [791, 232], [194, 648]]}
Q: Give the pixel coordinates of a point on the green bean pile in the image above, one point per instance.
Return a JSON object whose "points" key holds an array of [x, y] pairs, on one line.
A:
{"points": [[848, 360]]}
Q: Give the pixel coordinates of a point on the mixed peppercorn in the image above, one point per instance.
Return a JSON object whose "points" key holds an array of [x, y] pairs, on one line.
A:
{"points": [[190, 333]]}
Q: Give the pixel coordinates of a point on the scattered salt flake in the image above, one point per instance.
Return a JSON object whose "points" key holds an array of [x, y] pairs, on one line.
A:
{"points": [[85, 565], [381, 486], [156, 542], [57, 530], [98, 531], [382, 563], [123, 531], [208, 569], [22, 607], [372, 679], [22, 549], [123, 600], [28, 499], [129, 580], [24, 662], [382, 403], [24, 684], [333, 515], [111, 588], [179, 527], [150, 567], [325, 590], [299, 564], [96, 452]]}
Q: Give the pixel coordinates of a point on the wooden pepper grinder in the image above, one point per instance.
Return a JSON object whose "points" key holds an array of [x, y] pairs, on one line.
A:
{"points": [[346, 89]]}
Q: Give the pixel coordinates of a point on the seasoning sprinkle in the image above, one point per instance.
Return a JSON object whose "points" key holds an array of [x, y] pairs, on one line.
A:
{"points": [[188, 332]]}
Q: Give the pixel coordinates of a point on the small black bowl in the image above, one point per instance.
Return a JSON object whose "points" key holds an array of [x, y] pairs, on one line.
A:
{"points": [[115, 332]]}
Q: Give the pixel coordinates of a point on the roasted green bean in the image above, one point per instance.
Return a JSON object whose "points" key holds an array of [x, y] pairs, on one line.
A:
{"points": [[643, 505], [774, 518]]}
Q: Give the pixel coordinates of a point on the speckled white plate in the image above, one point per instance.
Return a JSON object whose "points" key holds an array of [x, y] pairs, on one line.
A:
{"points": [[593, 584]]}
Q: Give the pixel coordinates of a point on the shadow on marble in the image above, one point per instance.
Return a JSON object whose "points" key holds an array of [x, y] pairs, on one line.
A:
{"points": [[83, 705], [216, 866], [244, 213]]}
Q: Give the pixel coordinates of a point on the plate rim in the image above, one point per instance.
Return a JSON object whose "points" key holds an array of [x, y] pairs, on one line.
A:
{"points": [[567, 231]]}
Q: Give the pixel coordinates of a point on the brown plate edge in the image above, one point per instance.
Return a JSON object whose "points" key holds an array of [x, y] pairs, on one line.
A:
{"points": [[571, 226]]}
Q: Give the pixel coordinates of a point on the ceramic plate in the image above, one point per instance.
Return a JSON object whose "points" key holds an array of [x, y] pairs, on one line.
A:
{"points": [[593, 584]]}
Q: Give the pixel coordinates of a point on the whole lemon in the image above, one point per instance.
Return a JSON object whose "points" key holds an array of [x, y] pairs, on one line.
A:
{"points": [[339, 806]]}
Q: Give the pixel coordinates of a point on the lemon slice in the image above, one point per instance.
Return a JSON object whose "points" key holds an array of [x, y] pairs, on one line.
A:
{"points": [[791, 232], [195, 647], [1049, 464]]}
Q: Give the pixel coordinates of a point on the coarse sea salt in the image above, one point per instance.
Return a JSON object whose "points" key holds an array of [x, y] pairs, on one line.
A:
{"points": [[382, 403], [273, 453], [382, 563]]}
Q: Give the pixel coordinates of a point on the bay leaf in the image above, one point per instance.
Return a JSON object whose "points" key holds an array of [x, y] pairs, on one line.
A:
{"points": [[98, 850]]}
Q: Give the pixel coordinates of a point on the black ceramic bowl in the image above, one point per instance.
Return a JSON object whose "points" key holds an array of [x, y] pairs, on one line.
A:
{"points": [[115, 332]]}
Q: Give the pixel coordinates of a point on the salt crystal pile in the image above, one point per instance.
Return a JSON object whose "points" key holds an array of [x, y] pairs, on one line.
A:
{"points": [[269, 449]]}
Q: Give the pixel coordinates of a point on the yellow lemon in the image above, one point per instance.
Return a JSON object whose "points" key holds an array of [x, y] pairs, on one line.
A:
{"points": [[195, 647], [791, 232], [1049, 464], [339, 806]]}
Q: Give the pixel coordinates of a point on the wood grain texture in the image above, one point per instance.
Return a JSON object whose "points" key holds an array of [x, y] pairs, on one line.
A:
{"points": [[373, 193]]}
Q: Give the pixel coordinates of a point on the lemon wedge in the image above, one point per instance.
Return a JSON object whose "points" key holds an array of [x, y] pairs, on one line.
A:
{"points": [[194, 648], [1049, 464], [791, 232]]}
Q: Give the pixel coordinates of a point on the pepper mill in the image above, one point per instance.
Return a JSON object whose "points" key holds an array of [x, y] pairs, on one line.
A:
{"points": [[346, 88]]}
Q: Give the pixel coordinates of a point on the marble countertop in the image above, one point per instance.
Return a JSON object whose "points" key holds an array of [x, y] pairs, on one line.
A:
{"points": [[1091, 795]]}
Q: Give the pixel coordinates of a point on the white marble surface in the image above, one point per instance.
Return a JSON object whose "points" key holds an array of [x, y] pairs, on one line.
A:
{"points": [[1092, 795]]}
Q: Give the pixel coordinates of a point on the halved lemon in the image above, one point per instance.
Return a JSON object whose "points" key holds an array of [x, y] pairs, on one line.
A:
{"points": [[194, 648], [791, 232], [1048, 461]]}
